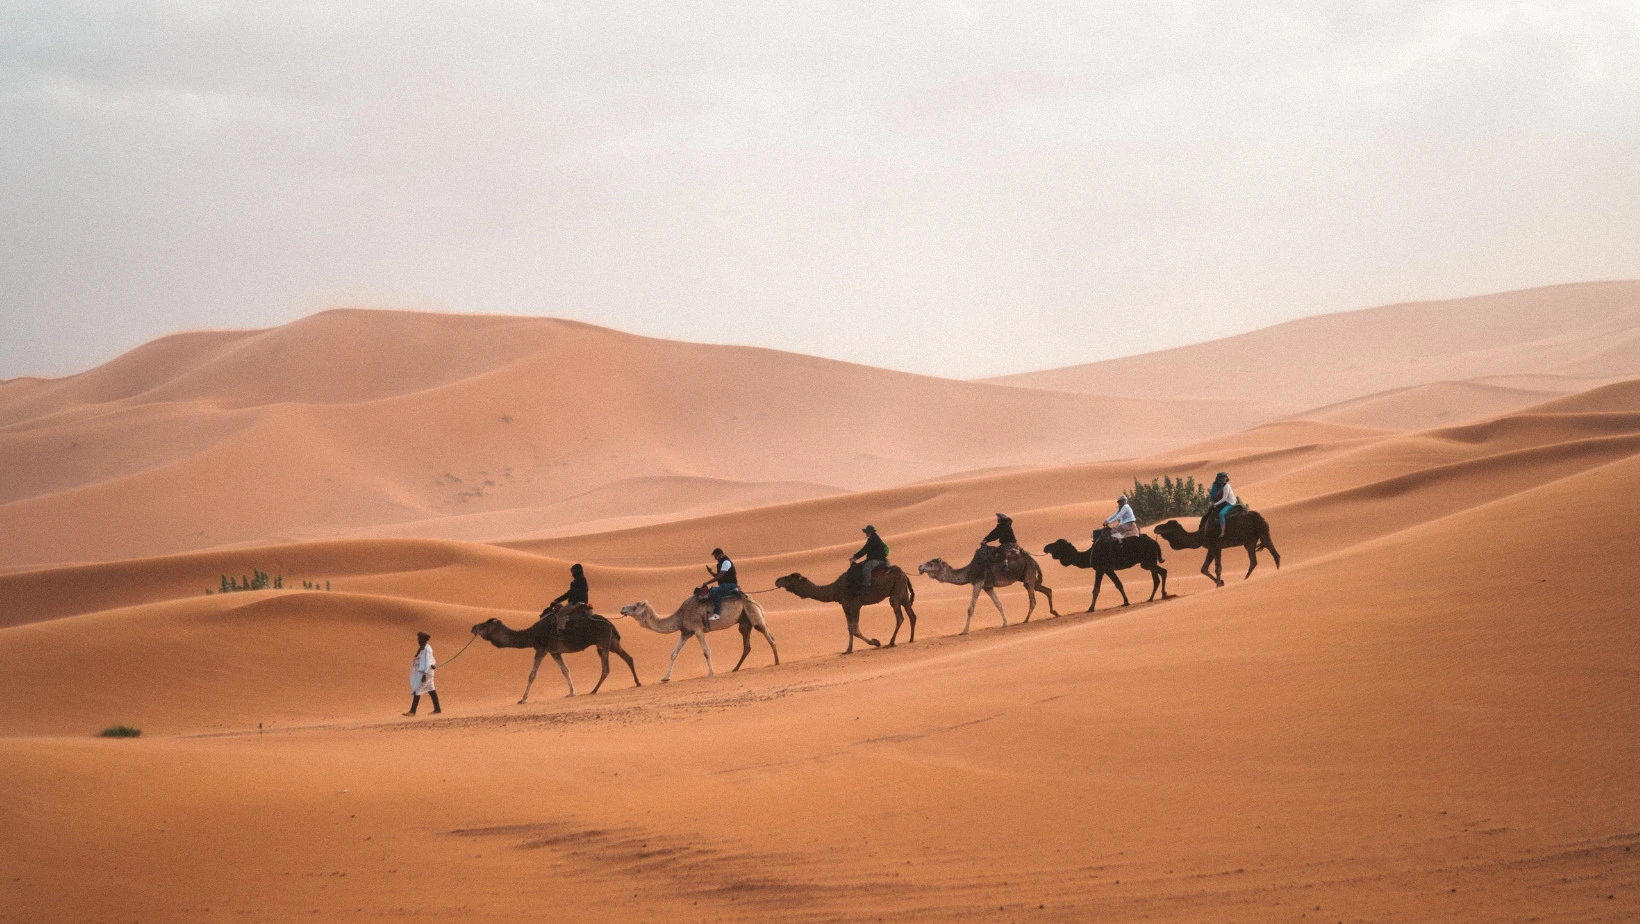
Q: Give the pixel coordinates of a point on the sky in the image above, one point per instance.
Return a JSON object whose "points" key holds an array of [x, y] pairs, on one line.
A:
{"points": [[957, 189]]}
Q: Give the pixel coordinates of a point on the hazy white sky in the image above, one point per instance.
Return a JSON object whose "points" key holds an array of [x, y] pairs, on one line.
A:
{"points": [[962, 189]]}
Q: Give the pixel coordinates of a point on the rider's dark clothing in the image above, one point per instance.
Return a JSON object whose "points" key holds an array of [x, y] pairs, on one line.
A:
{"points": [[874, 549], [577, 592], [1004, 534]]}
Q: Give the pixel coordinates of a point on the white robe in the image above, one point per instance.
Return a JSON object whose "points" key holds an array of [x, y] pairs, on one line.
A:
{"points": [[421, 671]]}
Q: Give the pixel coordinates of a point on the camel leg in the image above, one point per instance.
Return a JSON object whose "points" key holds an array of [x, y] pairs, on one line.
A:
{"points": [[1272, 550], [1116, 582], [769, 637], [1207, 564], [973, 600], [1046, 592], [991, 592], [1252, 559], [745, 642], [616, 647], [854, 630], [1030, 597], [603, 656], [564, 668], [1098, 581], [1155, 580], [682, 637], [1158, 569], [911, 614], [707, 651], [539, 654], [899, 617], [1218, 566]]}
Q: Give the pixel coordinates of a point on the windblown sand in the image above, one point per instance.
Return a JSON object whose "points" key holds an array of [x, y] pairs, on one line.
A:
{"points": [[1430, 712]]}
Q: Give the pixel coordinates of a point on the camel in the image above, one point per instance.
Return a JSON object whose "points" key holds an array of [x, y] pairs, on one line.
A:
{"points": [[1248, 530], [581, 632], [1107, 558], [887, 583], [693, 619], [985, 574]]}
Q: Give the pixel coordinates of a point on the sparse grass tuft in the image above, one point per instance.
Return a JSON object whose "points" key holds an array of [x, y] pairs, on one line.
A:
{"points": [[121, 731]]}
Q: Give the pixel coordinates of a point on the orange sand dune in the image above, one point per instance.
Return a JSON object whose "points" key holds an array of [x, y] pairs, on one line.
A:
{"points": [[358, 421], [1374, 490], [1427, 715], [1579, 331], [1420, 407]]}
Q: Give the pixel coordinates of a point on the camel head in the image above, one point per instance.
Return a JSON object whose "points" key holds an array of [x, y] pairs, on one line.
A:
{"points": [[641, 611], [483, 629], [933, 566], [789, 581], [1173, 533], [1061, 550]]}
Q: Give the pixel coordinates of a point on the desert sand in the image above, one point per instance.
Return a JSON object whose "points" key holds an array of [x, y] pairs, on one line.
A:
{"points": [[1429, 712]]}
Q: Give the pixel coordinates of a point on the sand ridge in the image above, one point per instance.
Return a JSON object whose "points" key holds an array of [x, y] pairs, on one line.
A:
{"points": [[1425, 714]]}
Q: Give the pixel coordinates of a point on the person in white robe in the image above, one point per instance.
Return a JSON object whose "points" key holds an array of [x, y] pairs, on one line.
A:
{"points": [[421, 675]]}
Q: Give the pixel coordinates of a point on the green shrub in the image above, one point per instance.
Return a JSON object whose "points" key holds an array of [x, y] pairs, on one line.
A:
{"points": [[260, 580], [121, 731], [1167, 497]]}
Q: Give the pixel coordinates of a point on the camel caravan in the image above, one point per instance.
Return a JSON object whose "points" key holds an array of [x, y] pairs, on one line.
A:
{"points": [[568, 624]]}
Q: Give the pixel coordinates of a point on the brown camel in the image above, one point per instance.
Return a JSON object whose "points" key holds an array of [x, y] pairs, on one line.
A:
{"points": [[581, 631], [986, 571], [887, 583], [1248, 530], [693, 619]]}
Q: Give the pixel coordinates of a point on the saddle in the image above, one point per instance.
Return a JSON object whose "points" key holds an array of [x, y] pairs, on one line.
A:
{"points": [[857, 570], [703, 593], [1240, 509]]}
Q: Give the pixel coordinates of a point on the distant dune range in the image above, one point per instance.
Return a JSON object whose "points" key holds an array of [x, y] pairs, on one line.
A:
{"points": [[358, 420], [375, 423], [1427, 713]]}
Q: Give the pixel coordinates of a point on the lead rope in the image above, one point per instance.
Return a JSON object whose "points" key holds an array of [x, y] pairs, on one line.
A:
{"points": [[458, 654]]}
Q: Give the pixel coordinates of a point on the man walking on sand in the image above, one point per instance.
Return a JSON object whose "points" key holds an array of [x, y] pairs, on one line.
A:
{"points": [[421, 674]]}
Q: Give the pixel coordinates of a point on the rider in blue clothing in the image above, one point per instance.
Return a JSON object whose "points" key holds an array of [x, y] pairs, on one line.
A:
{"points": [[1221, 499]]}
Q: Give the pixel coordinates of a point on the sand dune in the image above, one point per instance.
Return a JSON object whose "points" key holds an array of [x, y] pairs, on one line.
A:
{"points": [[1426, 713], [1421, 716], [1420, 407], [1321, 502], [362, 421], [1583, 332]]}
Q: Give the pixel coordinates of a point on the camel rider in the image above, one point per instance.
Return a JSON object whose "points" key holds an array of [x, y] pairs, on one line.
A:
{"points": [[1003, 536], [1221, 499], [570, 602], [1122, 523], [728, 583], [872, 555]]}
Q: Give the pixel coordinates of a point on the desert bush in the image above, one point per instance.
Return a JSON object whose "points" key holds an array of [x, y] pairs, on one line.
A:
{"points": [[1167, 497], [120, 731], [259, 580]]}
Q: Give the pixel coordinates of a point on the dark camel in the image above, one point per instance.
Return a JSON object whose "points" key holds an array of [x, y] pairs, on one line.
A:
{"points": [[581, 632], [1106, 558], [1247, 530], [987, 570], [887, 583]]}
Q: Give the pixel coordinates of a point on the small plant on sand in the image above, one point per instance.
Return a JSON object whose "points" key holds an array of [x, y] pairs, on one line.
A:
{"points": [[1167, 497], [121, 731], [259, 580]]}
